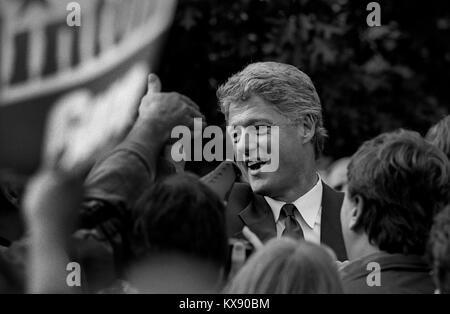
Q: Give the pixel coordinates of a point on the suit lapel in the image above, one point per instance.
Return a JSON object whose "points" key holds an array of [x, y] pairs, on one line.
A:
{"points": [[331, 231], [258, 216]]}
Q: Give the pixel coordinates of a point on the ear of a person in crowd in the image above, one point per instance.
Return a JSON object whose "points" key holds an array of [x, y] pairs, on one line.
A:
{"points": [[350, 213]]}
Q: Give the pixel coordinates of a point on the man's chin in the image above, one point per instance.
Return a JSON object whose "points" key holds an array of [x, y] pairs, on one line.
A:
{"points": [[260, 186]]}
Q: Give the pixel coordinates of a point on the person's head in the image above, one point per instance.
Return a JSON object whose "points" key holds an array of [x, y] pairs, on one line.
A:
{"points": [[439, 250], [286, 266], [269, 94], [180, 221], [337, 175], [439, 135], [396, 183]]}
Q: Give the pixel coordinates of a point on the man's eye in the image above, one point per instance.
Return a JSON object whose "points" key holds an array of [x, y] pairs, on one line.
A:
{"points": [[235, 135], [262, 129]]}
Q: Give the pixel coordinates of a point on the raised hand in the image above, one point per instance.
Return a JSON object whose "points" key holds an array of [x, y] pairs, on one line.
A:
{"points": [[164, 111]]}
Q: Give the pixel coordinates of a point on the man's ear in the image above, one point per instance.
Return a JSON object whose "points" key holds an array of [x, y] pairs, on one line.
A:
{"points": [[309, 129], [356, 212]]}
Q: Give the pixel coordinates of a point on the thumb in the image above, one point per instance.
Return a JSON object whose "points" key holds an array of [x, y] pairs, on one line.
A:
{"points": [[154, 84], [252, 238]]}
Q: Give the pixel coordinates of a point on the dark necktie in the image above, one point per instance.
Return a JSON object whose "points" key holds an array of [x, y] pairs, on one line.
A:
{"points": [[292, 227]]}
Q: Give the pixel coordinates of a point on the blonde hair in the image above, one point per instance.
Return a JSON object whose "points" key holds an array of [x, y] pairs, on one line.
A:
{"points": [[286, 266]]}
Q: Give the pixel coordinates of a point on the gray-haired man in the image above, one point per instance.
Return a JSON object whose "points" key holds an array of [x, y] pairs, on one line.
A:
{"points": [[293, 200]]}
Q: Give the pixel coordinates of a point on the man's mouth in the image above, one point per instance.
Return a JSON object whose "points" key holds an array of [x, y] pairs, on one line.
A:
{"points": [[255, 166]]}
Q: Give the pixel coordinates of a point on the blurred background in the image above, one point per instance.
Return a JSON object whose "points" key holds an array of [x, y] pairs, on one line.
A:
{"points": [[369, 79]]}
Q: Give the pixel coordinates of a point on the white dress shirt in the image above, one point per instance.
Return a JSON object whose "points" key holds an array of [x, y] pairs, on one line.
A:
{"points": [[308, 213]]}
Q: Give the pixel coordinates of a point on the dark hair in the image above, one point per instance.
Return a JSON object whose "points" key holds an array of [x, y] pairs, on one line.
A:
{"points": [[439, 250], [403, 181], [439, 135], [180, 214], [285, 266]]}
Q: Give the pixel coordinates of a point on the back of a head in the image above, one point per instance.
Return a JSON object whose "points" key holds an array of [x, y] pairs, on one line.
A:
{"points": [[403, 181], [439, 250], [439, 135], [285, 266], [180, 215]]}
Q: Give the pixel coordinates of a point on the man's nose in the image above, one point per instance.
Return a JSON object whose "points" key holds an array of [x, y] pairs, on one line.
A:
{"points": [[247, 144]]}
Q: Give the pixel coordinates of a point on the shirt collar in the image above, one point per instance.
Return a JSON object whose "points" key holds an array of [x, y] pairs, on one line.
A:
{"points": [[308, 204]]}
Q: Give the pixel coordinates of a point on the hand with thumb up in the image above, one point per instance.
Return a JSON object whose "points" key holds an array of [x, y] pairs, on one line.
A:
{"points": [[164, 111]]}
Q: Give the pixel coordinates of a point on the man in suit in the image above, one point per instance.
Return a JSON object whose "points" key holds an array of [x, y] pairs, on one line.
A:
{"points": [[293, 200]]}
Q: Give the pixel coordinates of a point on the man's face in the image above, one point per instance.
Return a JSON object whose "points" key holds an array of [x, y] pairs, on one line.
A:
{"points": [[255, 113]]}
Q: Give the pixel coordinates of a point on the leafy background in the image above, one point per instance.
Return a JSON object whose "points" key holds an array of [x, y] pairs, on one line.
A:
{"points": [[370, 79]]}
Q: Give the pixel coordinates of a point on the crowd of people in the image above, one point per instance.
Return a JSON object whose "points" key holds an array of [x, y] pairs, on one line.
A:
{"points": [[138, 223]]}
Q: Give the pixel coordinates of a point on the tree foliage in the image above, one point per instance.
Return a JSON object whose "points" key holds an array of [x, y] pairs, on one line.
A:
{"points": [[370, 79]]}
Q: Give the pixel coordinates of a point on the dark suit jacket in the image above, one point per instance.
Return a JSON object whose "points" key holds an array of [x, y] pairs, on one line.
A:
{"points": [[246, 208]]}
